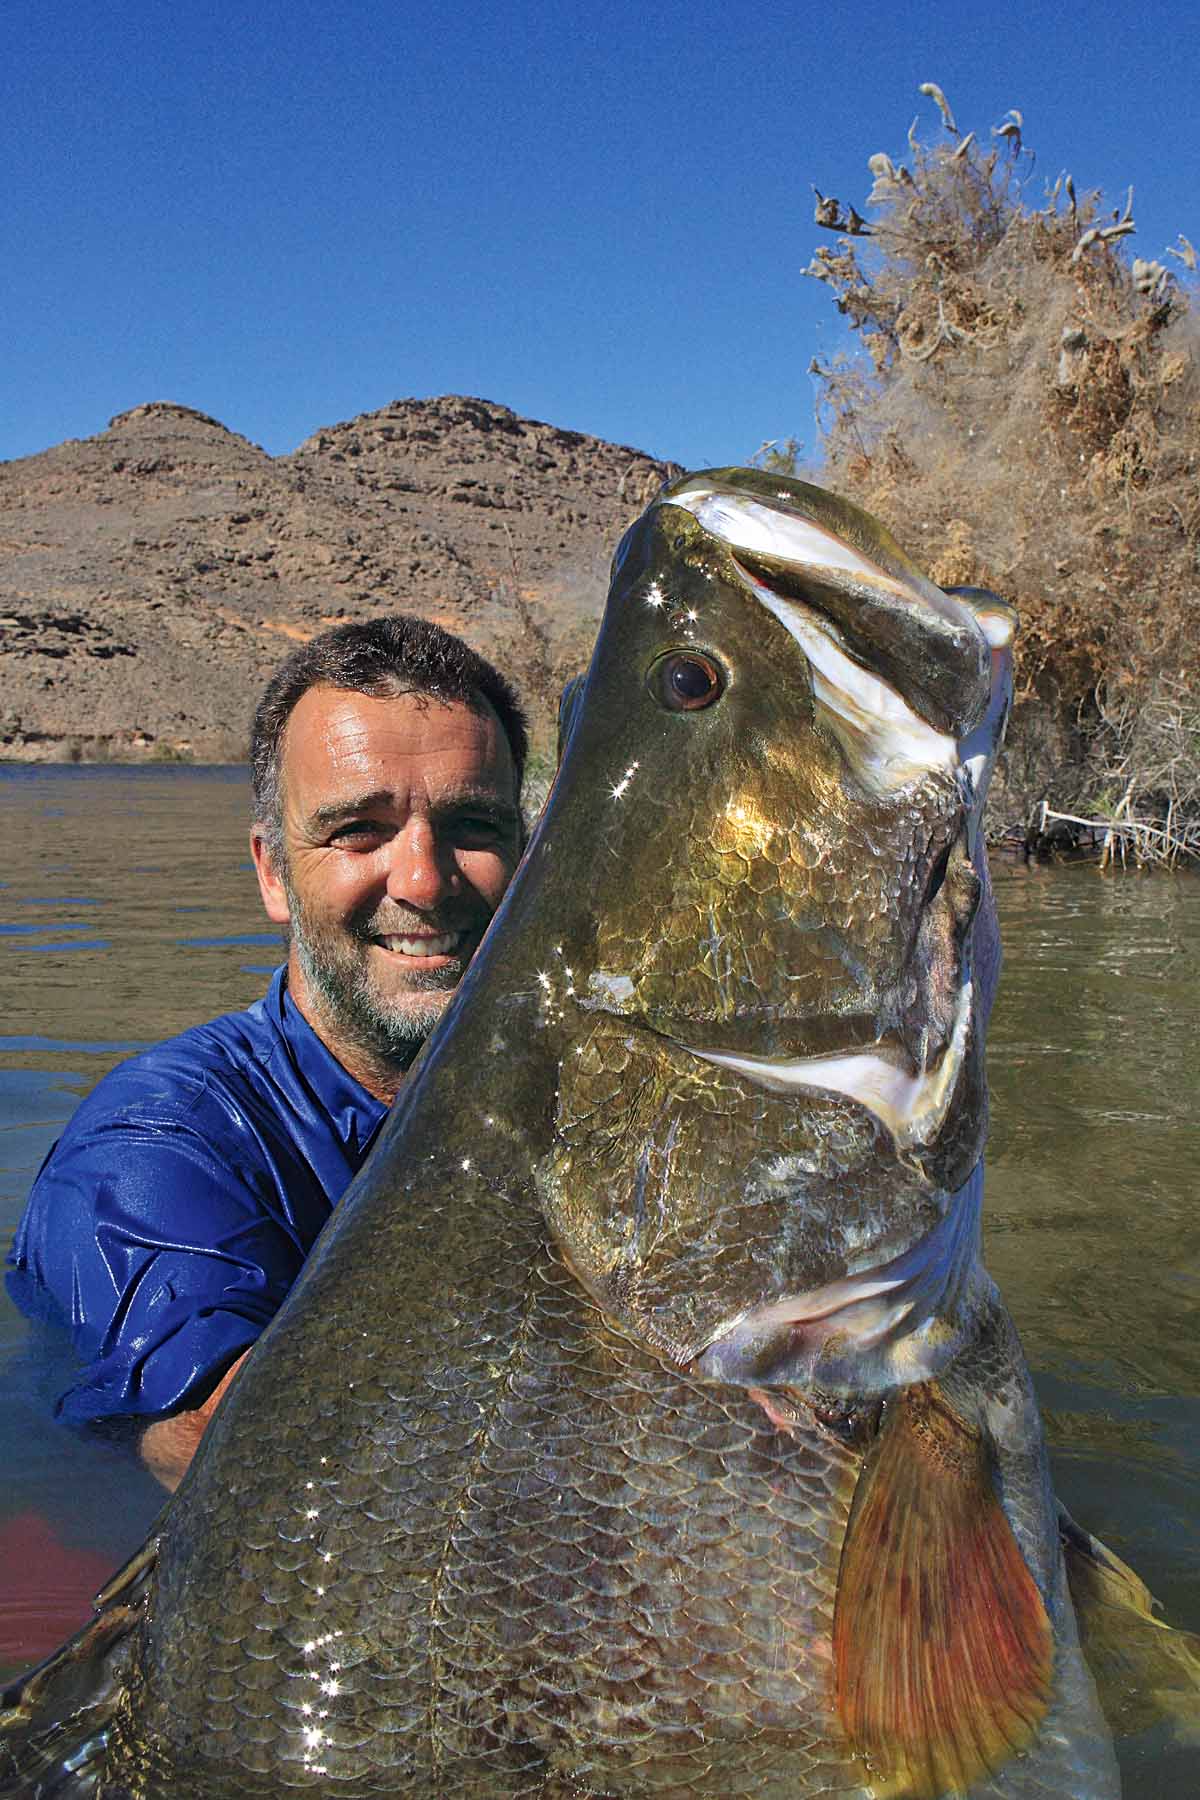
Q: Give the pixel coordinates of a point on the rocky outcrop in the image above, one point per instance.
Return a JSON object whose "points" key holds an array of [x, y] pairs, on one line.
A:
{"points": [[152, 576]]}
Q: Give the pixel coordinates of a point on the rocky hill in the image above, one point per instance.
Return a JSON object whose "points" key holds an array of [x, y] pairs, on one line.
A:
{"points": [[151, 577]]}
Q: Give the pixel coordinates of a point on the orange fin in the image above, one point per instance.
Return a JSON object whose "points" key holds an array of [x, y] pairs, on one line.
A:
{"points": [[943, 1650]]}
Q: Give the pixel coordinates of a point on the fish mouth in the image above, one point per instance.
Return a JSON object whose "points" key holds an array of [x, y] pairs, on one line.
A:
{"points": [[899, 666], [911, 1102], [896, 1310]]}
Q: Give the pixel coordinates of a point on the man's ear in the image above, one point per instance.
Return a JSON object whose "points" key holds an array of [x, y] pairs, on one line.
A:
{"points": [[270, 880]]}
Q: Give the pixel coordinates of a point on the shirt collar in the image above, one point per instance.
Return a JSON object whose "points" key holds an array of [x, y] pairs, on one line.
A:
{"points": [[355, 1114]]}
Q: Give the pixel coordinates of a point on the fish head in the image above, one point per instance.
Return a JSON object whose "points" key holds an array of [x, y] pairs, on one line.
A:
{"points": [[762, 859]]}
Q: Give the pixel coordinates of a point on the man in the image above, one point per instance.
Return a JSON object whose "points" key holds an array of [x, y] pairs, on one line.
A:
{"points": [[170, 1220]]}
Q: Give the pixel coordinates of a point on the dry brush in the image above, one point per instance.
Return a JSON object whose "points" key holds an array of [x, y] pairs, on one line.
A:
{"points": [[1021, 409]]}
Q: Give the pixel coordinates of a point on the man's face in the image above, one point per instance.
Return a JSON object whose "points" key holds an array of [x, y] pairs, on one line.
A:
{"points": [[401, 831]]}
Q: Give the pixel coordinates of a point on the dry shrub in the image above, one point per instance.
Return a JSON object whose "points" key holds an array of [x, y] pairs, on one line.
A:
{"points": [[1023, 416]]}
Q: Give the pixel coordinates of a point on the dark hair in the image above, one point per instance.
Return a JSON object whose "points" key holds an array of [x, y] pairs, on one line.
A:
{"points": [[384, 658]]}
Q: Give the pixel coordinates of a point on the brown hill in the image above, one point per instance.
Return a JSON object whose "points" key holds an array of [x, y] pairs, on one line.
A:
{"points": [[152, 576]]}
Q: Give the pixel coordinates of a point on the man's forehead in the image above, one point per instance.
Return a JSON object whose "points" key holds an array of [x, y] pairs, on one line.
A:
{"points": [[485, 796], [340, 746]]}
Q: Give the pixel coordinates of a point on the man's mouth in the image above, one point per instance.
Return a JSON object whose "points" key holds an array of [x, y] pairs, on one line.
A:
{"points": [[424, 945]]}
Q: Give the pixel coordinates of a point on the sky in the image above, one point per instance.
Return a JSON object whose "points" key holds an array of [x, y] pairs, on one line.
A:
{"points": [[288, 213]]}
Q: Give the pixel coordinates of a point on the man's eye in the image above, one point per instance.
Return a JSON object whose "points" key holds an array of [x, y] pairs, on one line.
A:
{"points": [[356, 830], [476, 828]]}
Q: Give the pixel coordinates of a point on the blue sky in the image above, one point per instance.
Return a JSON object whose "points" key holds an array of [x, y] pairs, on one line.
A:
{"points": [[289, 213]]}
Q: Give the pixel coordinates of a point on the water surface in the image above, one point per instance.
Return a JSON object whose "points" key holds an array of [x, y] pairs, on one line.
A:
{"points": [[128, 911]]}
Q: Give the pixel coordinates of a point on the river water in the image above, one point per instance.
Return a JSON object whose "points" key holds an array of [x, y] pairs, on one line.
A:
{"points": [[128, 911]]}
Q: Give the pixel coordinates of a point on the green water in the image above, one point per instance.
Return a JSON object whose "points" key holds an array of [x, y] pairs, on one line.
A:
{"points": [[1092, 1215], [128, 911]]}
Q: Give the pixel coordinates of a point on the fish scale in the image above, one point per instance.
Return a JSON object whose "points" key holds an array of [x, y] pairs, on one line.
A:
{"points": [[387, 1478], [709, 1612], [553, 1638], [559, 1634], [687, 1653]]}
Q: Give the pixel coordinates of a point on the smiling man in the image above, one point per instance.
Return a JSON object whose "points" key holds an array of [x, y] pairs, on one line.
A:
{"points": [[169, 1222], [386, 835]]}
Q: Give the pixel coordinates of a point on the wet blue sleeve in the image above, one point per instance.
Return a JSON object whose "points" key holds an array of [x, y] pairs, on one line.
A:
{"points": [[165, 1260]]}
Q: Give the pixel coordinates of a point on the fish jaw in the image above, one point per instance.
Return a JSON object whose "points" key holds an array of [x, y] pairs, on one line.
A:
{"points": [[913, 1105], [687, 1198], [811, 557], [890, 742], [872, 1330]]}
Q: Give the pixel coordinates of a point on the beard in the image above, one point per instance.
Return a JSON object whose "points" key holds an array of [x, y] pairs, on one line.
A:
{"points": [[387, 1028]]}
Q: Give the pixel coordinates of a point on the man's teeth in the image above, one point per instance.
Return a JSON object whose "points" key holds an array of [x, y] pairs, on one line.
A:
{"points": [[442, 945]]}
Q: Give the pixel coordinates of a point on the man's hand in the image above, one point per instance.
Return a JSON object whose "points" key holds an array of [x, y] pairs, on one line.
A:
{"points": [[168, 1445]]}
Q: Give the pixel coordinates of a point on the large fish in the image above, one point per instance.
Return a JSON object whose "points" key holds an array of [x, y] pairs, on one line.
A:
{"points": [[644, 1423]]}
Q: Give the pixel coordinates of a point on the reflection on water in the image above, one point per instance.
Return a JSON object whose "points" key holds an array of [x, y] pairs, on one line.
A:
{"points": [[128, 911]]}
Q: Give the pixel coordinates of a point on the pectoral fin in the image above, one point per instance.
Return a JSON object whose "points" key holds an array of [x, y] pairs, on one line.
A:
{"points": [[1145, 1671], [943, 1649]]}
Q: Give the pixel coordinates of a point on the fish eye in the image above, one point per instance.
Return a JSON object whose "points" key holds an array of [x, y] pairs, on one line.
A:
{"points": [[683, 681]]}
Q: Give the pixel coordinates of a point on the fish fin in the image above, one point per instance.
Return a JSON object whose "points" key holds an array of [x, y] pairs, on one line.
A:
{"points": [[1146, 1672], [54, 1722], [943, 1649]]}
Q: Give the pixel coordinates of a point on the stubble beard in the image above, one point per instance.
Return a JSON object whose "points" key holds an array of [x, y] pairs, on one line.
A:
{"points": [[385, 1030]]}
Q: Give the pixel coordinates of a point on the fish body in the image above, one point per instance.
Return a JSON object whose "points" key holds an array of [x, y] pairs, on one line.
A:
{"points": [[644, 1423]]}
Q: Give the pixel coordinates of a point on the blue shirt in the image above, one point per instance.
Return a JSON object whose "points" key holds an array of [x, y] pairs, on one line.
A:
{"points": [[171, 1218]]}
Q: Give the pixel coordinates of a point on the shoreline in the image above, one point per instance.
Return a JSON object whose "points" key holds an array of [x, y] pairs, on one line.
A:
{"points": [[1049, 836]]}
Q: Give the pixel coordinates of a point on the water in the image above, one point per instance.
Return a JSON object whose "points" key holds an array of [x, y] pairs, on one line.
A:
{"points": [[128, 911]]}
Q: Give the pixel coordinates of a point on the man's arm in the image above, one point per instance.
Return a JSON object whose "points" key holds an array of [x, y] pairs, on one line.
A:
{"points": [[165, 1261], [167, 1446]]}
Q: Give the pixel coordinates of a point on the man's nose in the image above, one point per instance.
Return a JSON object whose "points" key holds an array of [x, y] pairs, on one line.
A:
{"points": [[421, 873]]}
